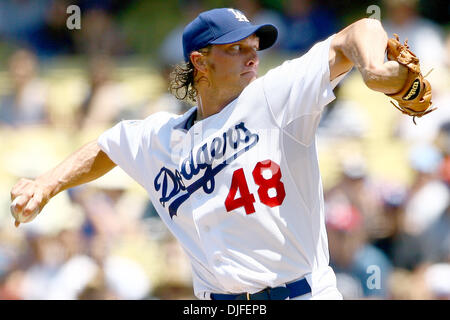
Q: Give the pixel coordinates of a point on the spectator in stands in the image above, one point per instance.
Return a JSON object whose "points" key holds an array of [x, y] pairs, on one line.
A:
{"points": [[27, 104], [170, 53], [428, 196], [357, 188], [99, 34], [402, 249], [412, 214], [425, 38], [437, 281], [171, 50], [53, 38], [19, 20], [436, 239], [442, 142], [305, 23], [106, 98], [351, 255]]}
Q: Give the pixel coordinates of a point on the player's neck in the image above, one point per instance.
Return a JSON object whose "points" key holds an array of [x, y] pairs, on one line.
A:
{"points": [[211, 102]]}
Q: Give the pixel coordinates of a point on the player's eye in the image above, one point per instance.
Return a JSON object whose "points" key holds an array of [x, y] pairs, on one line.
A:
{"points": [[235, 47]]}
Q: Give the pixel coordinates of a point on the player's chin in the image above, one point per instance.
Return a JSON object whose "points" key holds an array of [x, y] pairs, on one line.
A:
{"points": [[249, 76]]}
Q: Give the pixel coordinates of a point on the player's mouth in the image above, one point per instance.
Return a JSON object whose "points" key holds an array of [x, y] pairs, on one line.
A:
{"points": [[251, 73]]}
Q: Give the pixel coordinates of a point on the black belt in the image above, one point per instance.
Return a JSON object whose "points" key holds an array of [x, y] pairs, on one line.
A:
{"points": [[291, 290]]}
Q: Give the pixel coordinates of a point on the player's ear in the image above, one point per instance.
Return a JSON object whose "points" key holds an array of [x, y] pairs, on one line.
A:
{"points": [[198, 59]]}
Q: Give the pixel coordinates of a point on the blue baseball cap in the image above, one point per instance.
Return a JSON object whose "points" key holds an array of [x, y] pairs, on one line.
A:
{"points": [[222, 26]]}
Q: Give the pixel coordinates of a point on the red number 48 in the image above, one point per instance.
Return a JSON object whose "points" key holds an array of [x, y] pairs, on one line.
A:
{"points": [[246, 199]]}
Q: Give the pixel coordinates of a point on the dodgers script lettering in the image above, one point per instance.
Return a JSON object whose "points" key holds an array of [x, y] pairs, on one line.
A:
{"points": [[170, 183]]}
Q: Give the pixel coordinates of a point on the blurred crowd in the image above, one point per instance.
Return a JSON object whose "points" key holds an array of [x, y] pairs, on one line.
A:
{"points": [[386, 180]]}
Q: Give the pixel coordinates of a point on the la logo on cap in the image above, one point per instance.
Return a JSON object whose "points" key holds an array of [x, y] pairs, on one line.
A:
{"points": [[239, 15]]}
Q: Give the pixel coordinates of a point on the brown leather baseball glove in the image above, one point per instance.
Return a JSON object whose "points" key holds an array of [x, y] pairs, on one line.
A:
{"points": [[414, 99]]}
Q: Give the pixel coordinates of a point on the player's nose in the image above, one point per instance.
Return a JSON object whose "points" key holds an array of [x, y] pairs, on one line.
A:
{"points": [[253, 59]]}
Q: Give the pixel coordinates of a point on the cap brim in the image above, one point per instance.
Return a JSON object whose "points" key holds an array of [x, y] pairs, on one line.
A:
{"points": [[267, 34]]}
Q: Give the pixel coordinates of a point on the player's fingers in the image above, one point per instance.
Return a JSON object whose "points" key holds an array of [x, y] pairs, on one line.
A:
{"points": [[20, 202], [38, 197], [31, 207], [21, 187], [30, 211], [17, 188], [15, 211]]}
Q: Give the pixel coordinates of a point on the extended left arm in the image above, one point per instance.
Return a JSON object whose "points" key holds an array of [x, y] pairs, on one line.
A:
{"points": [[363, 45]]}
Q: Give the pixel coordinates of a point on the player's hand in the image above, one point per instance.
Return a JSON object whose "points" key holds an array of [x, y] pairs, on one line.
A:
{"points": [[28, 198]]}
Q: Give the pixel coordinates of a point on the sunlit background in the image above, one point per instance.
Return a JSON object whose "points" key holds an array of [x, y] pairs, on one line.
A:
{"points": [[386, 180]]}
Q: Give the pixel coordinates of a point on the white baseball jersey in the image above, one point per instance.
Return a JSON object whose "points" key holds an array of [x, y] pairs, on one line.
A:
{"points": [[241, 189]]}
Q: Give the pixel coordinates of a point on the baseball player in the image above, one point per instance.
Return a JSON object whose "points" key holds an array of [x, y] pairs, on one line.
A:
{"points": [[236, 178]]}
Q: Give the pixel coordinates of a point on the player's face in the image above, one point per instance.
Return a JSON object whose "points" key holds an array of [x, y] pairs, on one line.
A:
{"points": [[233, 66]]}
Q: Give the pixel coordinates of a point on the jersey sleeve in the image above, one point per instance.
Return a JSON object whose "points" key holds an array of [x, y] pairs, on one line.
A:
{"points": [[302, 86], [124, 143]]}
